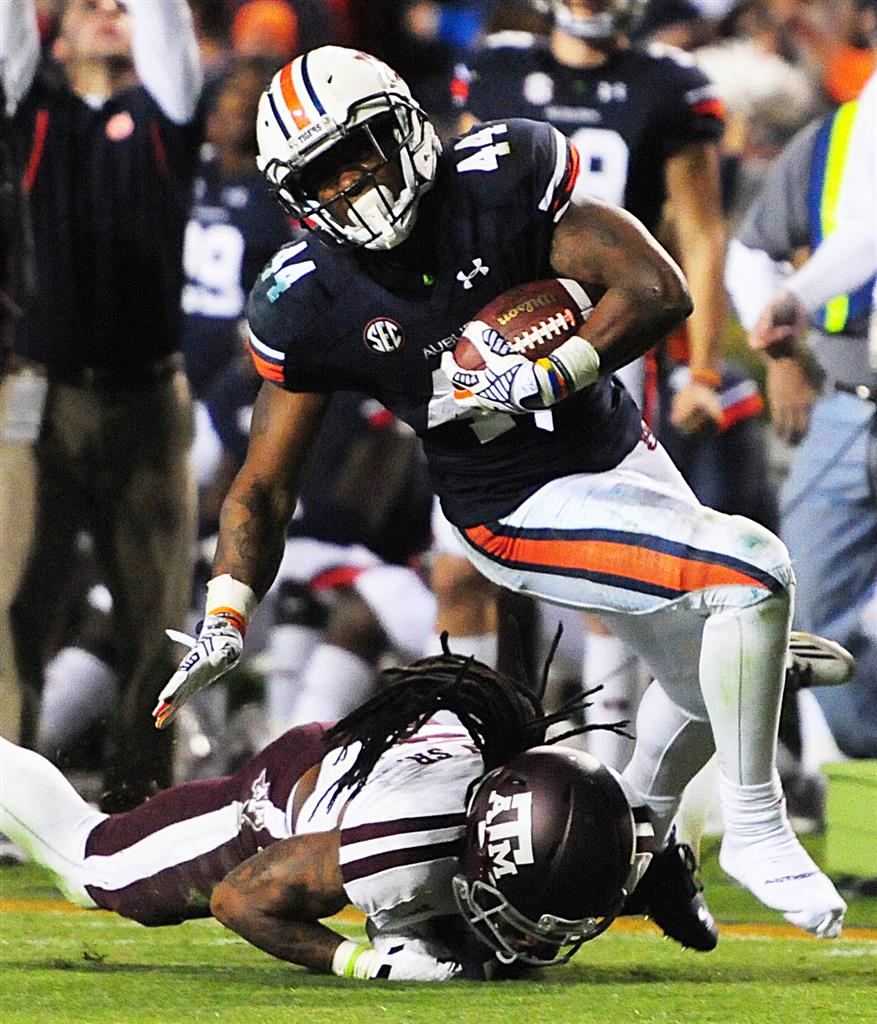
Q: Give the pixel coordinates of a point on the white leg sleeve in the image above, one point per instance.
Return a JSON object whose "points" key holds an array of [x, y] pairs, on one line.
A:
{"points": [[742, 673], [334, 683], [612, 665], [290, 647], [79, 689], [671, 747], [42, 812]]}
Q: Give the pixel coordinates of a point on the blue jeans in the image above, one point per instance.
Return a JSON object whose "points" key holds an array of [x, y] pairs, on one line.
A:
{"points": [[829, 523]]}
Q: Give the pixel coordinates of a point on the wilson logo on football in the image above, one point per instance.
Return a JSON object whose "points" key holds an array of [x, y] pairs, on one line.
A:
{"points": [[509, 843], [383, 336]]}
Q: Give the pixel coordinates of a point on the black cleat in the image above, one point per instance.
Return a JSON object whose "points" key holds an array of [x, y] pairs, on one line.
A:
{"points": [[672, 896]]}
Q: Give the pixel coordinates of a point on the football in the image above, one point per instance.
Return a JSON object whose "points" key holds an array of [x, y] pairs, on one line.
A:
{"points": [[533, 318]]}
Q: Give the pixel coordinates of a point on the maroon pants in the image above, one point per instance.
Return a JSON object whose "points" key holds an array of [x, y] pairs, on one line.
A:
{"points": [[159, 863]]}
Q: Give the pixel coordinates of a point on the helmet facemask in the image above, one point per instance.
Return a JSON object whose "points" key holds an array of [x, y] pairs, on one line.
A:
{"points": [[513, 937], [380, 139]]}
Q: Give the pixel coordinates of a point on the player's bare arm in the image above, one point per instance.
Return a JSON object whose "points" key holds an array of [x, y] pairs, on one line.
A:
{"points": [[693, 188], [645, 293], [252, 532], [276, 898], [262, 498]]}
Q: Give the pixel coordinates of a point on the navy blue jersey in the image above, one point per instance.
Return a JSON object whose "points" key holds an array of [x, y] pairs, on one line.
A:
{"points": [[234, 228], [366, 482], [325, 320], [626, 118], [109, 192]]}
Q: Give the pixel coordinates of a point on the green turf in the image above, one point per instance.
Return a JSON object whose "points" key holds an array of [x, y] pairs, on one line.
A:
{"points": [[97, 969]]}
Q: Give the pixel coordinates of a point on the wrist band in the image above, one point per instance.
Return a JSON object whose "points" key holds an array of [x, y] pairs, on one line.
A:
{"points": [[230, 599], [703, 375], [351, 960]]}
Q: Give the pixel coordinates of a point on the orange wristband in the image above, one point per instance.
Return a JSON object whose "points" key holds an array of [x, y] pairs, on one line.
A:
{"points": [[709, 378]]}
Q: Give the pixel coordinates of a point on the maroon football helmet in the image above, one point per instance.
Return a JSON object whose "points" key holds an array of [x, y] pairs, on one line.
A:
{"points": [[549, 855]]}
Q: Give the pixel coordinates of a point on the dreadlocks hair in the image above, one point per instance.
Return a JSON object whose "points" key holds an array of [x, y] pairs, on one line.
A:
{"points": [[503, 716]]}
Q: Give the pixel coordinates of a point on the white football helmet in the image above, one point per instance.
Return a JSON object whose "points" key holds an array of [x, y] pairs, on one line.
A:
{"points": [[333, 109], [610, 18]]}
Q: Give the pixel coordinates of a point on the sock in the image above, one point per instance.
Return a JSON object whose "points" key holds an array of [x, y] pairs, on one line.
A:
{"points": [[335, 682], [761, 852], [79, 688], [480, 646], [610, 663], [290, 647], [41, 811], [671, 746]]}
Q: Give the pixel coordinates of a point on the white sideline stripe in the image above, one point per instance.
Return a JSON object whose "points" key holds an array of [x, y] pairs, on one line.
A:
{"points": [[399, 841], [170, 846]]}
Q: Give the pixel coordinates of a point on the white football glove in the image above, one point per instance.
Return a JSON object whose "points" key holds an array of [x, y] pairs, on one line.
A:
{"points": [[395, 962], [217, 648], [511, 383]]}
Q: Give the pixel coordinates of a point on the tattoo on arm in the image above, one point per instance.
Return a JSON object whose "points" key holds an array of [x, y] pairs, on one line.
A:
{"points": [[275, 899]]}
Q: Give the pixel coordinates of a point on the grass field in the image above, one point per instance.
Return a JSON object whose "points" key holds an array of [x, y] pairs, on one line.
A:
{"points": [[74, 967]]}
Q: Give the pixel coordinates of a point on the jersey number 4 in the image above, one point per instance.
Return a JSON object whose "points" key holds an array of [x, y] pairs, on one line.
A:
{"points": [[487, 149]]}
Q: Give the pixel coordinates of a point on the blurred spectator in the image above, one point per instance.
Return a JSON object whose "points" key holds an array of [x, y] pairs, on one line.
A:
{"points": [[839, 40], [212, 24], [95, 411], [265, 28], [820, 195], [767, 97]]}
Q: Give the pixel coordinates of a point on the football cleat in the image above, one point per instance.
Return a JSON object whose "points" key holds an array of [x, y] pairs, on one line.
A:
{"points": [[814, 661], [671, 894]]}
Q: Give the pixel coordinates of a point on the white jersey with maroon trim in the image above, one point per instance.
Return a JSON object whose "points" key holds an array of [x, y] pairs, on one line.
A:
{"points": [[401, 833]]}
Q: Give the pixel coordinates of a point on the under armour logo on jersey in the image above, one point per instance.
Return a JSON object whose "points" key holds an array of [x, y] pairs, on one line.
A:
{"points": [[383, 335], [478, 267], [498, 837]]}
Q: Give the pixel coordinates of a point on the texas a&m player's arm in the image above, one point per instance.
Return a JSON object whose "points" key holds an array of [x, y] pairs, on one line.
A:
{"points": [[644, 293], [275, 900]]}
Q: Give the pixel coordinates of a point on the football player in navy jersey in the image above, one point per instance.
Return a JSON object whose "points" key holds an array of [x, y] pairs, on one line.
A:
{"points": [[647, 123], [544, 469], [234, 228]]}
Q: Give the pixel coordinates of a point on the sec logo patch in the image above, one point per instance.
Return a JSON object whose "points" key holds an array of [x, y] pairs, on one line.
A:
{"points": [[383, 335]]}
